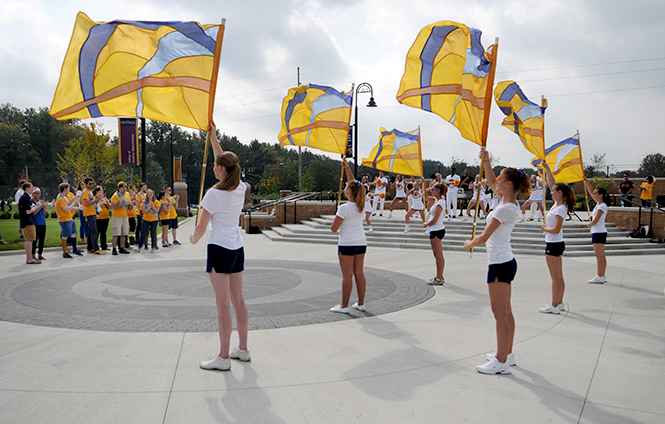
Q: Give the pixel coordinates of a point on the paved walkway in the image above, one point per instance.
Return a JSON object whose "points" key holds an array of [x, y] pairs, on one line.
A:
{"points": [[601, 362]]}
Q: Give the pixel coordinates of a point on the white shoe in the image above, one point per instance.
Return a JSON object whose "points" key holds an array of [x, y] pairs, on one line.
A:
{"points": [[522, 218], [390, 215], [407, 229], [370, 229], [597, 280], [550, 309], [359, 307], [510, 359], [216, 363], [493, 366], [339, 309], [562, 307], [466, 218], [243, 355]]}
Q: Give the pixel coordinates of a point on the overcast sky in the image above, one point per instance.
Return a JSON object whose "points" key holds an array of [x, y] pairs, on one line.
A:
{"points": [[600, 63]]}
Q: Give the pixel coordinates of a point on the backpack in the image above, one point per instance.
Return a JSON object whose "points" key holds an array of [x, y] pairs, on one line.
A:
{"points": [[640, 232]]}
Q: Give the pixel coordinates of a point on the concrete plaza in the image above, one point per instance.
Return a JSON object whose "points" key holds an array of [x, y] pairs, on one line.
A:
{"points": [[118, 339]]}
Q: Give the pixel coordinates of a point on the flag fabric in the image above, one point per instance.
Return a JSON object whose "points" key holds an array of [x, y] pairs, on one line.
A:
{"points": [[447, 72], [397, 152], [157, 70], [565, 160], [523, 117], [316, 116]]}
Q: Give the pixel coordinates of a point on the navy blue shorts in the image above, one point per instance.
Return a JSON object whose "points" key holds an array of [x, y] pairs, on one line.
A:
{"points": [[351, 250], [173, 223], [67, 228], [598, 238], [503, 273], [555, 249], [225, 261], [437, 234]]}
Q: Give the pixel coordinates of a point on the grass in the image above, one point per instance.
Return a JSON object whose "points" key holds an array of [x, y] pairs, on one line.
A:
{"points": [[9, 230]]}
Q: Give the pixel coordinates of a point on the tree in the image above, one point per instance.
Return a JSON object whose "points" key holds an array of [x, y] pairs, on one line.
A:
{"points": [[15, 153], [652, 164], [91, 156], [597, 166]]}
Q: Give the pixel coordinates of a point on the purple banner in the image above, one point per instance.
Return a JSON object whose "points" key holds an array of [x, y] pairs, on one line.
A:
{"points": [[128, 141]]}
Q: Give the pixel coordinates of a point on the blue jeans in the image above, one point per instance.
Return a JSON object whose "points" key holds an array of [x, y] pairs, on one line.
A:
{"points": [[83, 228]]}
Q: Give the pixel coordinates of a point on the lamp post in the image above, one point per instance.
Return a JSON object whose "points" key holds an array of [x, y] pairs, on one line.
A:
{"points": [[362, 88], [189, 178]]}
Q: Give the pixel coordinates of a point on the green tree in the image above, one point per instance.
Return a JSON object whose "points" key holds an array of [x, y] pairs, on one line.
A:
{"points": [[652, 164], [597, 166], [92, 155], [15, 153]]}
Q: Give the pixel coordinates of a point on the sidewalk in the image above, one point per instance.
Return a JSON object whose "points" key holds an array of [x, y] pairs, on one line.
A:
{"points": [[600, 362]]}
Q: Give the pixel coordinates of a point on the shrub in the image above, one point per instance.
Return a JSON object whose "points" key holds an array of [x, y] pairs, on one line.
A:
{"points": [[54, 214], [16, 216], [5, 215]]}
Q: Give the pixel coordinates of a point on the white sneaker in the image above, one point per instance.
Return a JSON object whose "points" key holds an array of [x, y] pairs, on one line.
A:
{"points": [[370, 229], [339, 309], [597, 280], [243, 355], [510, 358], [436, 281], [407, 228], [359, 307], [562, 307], [390, 215], [493, 366], [466, 217], [216, 363], [549, 309], [522, 218]]}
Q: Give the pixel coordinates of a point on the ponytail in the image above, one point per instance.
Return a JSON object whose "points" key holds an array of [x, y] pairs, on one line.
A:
{"points": [[519, 178], [568, 195], [358, 191], [230, 161]]}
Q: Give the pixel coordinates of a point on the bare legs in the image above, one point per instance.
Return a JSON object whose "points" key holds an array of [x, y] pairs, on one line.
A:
{"points": [[437, 249], [352, 266], [228, 290], [601, 260], [503, 314], [555, 265]]}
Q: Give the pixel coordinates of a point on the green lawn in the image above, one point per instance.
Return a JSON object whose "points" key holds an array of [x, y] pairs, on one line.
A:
{"points": [[9, 230]]}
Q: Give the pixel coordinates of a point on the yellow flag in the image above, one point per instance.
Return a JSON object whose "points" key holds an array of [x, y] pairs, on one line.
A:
{"points": [[397, 152]]}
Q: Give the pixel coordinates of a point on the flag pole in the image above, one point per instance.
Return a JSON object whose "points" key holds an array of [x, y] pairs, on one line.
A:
{"points": [[542, 103], [341, 181], [211, 106], [586, 194], [485, 129]]}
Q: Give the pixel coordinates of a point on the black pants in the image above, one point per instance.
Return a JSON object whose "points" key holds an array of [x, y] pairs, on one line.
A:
{"points": [[41, 236], [92, 233], [102, 228]]}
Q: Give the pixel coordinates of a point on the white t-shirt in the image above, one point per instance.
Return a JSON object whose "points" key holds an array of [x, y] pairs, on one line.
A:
{"points": [[600, 226], [450, 182], [438, 225], [351, 231], [562, 211], [498, 245], [417, 201], [399, 189], [381, 184], [225, 208], [368, 202]]}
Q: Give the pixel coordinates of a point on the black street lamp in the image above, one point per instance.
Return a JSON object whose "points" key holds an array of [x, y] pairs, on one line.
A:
{"points": [[362, 88], [189, 178]]}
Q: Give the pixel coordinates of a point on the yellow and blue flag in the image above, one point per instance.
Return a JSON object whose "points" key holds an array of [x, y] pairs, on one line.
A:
{"points": [[448, 72], [397, 152], [316, 116], [523, 117], [565, 160], [164, 71]]}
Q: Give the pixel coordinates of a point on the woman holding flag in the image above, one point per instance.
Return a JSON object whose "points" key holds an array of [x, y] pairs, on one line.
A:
{"points": [[564, 202], [352, 244], [221, 206], [437, 231], [502, 265]]}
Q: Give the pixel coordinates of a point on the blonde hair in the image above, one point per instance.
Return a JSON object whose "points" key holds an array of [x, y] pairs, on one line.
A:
{"points": [[230, 161], [358, 192]]}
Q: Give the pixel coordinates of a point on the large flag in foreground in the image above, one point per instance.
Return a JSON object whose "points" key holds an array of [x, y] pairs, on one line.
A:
{"points": [[523, 117], [449, 73], [164, 71], [565, 160], [398, 152], [316, 116]]}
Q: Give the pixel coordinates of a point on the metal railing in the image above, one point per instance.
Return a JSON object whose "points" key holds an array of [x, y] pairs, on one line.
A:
{"points": [[652, 206]]}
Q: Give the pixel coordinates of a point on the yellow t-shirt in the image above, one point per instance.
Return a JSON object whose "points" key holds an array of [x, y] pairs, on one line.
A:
{"points": [[122, 211], [70, 196], [172, 212], [88, 210], [646, 193], [132, 212], [60, 203], [149, 216], [140, 198], [104, 213], [164, 214]]}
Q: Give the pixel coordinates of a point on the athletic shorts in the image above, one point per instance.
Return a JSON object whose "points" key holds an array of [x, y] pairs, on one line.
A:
{"points": [[67, 229], [225, 261], [600, 238], [29, 233], [351, 250], [555, 249], [173, 223], [503, 273], [437, 234], [120, 226], [165, 222]]}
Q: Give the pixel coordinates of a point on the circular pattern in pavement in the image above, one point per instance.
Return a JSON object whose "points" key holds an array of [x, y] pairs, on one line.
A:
{"points": [[176, 296]]}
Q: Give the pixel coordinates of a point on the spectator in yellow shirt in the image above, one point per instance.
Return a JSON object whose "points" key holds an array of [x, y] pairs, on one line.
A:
{"points": [[164, 217], [104, 208], [65, 208], [646, 189], [173, 214], [121, 204]]}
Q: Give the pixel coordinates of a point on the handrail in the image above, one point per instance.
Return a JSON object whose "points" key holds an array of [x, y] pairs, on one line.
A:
{"points": [[292, 198]]}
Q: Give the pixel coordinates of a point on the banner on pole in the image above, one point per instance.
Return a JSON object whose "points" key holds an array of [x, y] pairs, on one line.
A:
{"points": [[177, 168], [128, 141]]}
